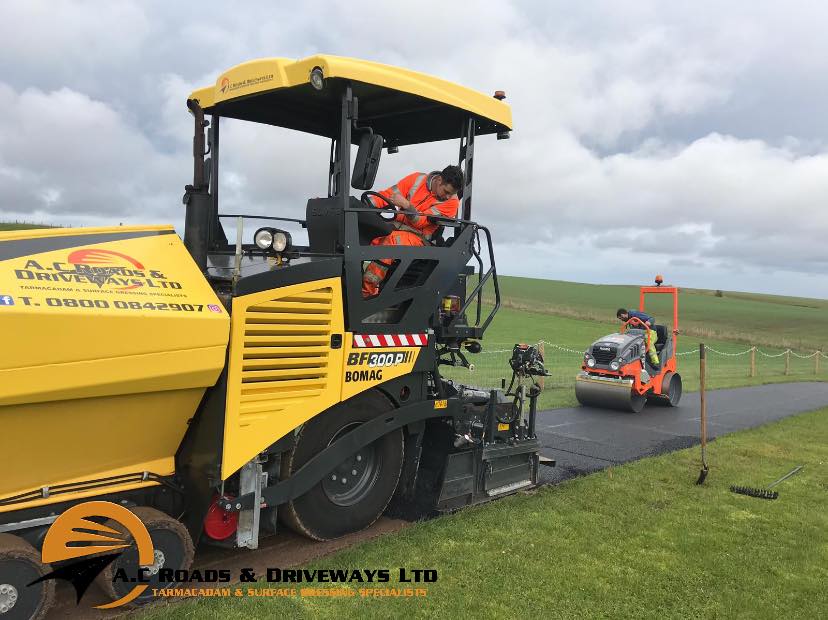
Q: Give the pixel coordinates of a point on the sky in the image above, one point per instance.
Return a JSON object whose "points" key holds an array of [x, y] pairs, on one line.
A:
{"points": [[689, 139]]}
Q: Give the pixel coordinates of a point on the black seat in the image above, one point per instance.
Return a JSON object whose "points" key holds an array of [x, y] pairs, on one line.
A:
{"points": [[661, 332]]}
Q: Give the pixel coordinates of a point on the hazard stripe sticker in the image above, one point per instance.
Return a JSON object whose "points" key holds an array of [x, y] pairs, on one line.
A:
{"points": [[362, 341]]}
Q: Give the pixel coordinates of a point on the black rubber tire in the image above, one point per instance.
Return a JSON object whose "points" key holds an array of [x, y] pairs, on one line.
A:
{"points": [[20, 565], [315, 514], [168, 535], [673, 391]]}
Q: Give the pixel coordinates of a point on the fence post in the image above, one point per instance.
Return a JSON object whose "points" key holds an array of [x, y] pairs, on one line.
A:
{"points": [[543, 355], [753, 361], [787, 361], [817, 355], [703, 415]]}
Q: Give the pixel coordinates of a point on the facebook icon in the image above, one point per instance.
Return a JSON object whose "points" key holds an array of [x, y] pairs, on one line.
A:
{"points": [[6, 300]]}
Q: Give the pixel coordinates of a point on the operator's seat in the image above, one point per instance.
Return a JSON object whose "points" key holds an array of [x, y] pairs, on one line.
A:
{"points": [[662, 334]]}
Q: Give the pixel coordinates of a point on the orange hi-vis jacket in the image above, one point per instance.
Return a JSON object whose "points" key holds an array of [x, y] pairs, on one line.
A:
{"points": [[416, 188], [411, 229]]}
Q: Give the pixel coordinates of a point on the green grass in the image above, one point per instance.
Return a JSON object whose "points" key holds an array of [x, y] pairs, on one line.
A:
{"points": [[638, 541], [21, 226], [511, 325], [769, 320]]}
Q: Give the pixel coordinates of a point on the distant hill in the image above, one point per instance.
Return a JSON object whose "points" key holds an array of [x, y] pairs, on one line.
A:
{"points": [[753, 318], [21, 226]]}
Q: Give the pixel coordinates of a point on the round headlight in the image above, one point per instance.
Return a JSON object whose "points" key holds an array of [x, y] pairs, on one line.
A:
{"points": [[281, 241], [615, 365], [263, 238], [590, 362], [317, 79]]}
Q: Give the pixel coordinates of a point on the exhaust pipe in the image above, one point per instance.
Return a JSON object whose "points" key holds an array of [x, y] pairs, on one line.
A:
{"points": [[196, 196]]}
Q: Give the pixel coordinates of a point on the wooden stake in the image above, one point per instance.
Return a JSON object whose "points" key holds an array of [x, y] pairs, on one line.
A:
{"points": [[787, 361], [816, 361], [753, 361], [702, 418]]}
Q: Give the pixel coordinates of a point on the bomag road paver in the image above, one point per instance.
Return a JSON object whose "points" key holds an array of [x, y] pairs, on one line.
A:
{"points": [[236, 382]]}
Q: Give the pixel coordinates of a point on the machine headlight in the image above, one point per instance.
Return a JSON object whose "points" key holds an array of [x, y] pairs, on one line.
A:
{"points": [[317, 80], [615, 365], [263, 238], [281, 241], [591, 362], [272, 240]]}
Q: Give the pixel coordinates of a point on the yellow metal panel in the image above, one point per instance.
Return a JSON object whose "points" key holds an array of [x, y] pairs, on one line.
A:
{"points": [[366, 367], [47, 444], [265, 74], [108, 347], [39, 233], [282, 370], [153, 372], [95, 301], [78, 495]]}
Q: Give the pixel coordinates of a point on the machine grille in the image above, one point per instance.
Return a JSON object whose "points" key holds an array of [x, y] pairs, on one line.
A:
{"points": [[285, 358], [604, 354]]}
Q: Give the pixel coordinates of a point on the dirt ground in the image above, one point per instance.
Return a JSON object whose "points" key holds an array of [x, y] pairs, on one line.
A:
{"points": [[281, 551]]}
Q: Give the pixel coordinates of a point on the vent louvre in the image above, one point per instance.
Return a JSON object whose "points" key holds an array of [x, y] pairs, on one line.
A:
{"points": [[286, 351], [281, 369]]}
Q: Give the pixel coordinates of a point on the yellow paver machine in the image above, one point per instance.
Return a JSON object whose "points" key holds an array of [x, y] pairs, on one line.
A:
{"points": [[219, 388]]}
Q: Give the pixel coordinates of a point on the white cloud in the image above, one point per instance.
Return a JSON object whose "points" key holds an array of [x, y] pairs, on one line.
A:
{"points": [[645, 134], [73, 158]]}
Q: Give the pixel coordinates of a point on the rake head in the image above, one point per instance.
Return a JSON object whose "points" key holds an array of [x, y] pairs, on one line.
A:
{"points": [[752, 492]]}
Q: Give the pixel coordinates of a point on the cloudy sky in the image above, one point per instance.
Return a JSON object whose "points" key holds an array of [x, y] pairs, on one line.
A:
{"points": [[684, 138]]}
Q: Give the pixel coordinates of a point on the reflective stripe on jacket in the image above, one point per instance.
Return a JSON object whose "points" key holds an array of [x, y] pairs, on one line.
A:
{"points": [[416, 188]]}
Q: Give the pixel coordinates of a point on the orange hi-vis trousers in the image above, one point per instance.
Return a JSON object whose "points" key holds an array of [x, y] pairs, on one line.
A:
{"points": [[377, 269]]}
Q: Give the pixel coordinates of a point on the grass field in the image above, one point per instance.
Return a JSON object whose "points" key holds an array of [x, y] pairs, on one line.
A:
{"points": [[769, 320], [641, 540], [20, 226]]}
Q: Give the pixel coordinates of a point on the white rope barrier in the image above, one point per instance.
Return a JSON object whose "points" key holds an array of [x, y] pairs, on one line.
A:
{"points": [[560, 348], [681, 353], [712, 350], [763, 354]]}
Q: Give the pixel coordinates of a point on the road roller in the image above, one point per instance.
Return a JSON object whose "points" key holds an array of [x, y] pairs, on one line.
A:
{"points": [[616, 372], [234, 382]]}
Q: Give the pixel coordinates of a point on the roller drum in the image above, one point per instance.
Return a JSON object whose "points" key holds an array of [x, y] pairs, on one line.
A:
{"points": [[608, 393]]}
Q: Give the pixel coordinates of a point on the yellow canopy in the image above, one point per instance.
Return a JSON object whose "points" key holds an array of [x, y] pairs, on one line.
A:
{"points": [[406, 107]]}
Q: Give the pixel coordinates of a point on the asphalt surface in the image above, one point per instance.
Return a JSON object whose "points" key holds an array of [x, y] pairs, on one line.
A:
{"points": [[584, 439]]}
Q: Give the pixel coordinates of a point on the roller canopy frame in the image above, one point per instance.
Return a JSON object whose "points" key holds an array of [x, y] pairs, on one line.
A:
{"points": [[662, 290]]}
